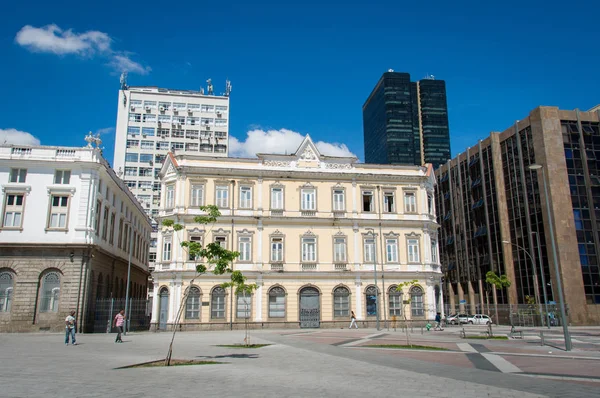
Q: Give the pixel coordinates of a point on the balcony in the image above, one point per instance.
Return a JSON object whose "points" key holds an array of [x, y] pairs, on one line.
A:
{"points": [[276, 213], [339, 214], [308, 213], [340, 267], [277, 267], [309, 266]]}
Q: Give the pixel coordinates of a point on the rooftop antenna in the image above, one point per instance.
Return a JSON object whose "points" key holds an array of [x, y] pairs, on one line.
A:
{"points": [[123, 80], [227, 87], [209, 88]]}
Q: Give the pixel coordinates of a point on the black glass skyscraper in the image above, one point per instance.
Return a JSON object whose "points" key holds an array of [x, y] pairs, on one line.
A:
{"points": [[406, 122]]}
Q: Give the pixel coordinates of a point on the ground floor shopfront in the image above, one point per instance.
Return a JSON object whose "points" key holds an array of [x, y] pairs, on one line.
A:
{"points": [[292, 300]]}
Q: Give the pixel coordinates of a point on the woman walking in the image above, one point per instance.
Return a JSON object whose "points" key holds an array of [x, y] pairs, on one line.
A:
{"points": [[118, 323], [353, 320]]}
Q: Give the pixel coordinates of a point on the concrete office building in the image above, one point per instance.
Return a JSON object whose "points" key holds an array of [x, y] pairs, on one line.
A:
{"points": [[492, 210], [406, 122], [67, 229], [310, 230], [152, 121]]}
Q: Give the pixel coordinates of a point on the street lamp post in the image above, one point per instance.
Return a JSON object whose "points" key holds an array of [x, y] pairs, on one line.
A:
{"points": [[563, 314], [127, 322], [537, 238], [372, 233], [532, 265]]}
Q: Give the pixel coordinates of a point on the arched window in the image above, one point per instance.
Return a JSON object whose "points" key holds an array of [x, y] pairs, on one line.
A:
{"points": [[217, 303], [50, 293], [192, 304], [395, 301], [277, 302], [244, 305], [371, 294], [341, 302], [416, 301], [6, 288]]}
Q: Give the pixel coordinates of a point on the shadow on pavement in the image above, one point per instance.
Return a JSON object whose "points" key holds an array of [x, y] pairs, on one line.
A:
{"points": [[243, 356]]}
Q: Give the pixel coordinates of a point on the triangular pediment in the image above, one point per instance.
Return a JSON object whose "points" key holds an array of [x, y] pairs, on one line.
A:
{"points": [[307, 151], [169, 165]]}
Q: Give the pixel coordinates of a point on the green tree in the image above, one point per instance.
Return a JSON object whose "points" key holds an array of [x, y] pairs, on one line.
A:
{"points": [[406, 305], [215, 259], [495, 282]]}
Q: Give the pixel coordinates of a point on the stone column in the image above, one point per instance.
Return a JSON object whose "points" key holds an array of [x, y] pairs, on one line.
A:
{"points": [[259, 299], [155, 303], [461, 297], [471, 292], [357, 298]]}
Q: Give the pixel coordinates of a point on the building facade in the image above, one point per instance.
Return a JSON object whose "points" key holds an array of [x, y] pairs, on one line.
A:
{"points": [[320, 236], [152, 121], [492, 212], [406, 122], [68, 226]]}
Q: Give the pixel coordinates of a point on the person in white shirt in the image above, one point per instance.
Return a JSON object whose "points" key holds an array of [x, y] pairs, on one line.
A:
{"points": [[70, 326], [353, 321]]}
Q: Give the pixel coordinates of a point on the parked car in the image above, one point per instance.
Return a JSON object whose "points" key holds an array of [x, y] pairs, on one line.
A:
{"points": [[479, 319], [457, 319]]}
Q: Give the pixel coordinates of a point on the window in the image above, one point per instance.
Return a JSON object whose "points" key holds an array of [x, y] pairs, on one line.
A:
{"points": [[119, 245], [198, 240], [146, 157], [416, 301], [164, 106], [147, 145], [244, 247], [17, 175], [434, 252], [131, 171], [167, 249], [276, 249], [367, 201], [338, 200], [133, 143], [244, 305], [150, 104], [277, 198], [430, 204], [50, 292], [162, 145], [395, 301], [339, 250], [170, 198], [371, 294], [178, 134], [413, 250], [217, 303], [178, 106], [62, 177], [105, 223], [192, 304], [193, 107], [246, 197], [388, 202], [369, 250], [410, 202], [58, 212], [391, 246], [308, 199], [222, 241], [220, 122], [149, 118], [222, 193], [131, 157], [133, 130], [341, 302], [191, 134], [221, 108], [111, 234], [207, 121], [179, 120], [309, 249], [135, 117], [13, 211], [197, 193], [6, 288], [148, 131], [276, 302], [207, 108], [135, 103], [193, 121]]}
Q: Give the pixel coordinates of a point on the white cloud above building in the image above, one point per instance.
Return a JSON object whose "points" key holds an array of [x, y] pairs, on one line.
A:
{"points": [[17, 137]]}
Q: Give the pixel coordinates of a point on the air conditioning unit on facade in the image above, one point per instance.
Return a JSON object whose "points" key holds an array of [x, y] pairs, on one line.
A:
{"points": [[174, 109], [132, 107], [190, 110], [162, 108], [148, 109]]}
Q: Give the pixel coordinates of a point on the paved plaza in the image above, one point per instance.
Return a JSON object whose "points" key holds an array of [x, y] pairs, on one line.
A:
{"points": [[301, 363]]}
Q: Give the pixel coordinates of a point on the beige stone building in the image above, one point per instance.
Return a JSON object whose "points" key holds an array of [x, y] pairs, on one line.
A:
{"points": [[320, 236]]}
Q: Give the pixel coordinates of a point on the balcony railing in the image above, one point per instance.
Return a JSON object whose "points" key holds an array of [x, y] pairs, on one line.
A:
{"points": [[276, 266], [309, 267], [341, 267], [308, 213]]}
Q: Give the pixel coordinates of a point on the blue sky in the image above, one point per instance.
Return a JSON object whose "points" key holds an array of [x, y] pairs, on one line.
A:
{"points": [[306, 67]]}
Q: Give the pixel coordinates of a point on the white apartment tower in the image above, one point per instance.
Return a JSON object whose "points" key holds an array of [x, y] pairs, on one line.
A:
{"points": [[152, 121]]}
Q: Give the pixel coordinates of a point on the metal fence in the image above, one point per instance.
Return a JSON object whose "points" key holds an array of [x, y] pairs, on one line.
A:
{"points": [[527, 315], [139, 311]]}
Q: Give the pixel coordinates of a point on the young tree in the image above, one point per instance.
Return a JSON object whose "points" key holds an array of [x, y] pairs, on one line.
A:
{"points": [[406, 303], [238, 281], [495, 282], [216, 258]]}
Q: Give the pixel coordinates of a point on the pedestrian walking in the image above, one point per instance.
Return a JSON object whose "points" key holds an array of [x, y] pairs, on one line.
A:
{"points": [[438, 322], [353, 320], [70, 327], [118, 323]]}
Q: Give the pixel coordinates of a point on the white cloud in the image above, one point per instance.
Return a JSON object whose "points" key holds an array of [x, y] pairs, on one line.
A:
{"points": [[52, 39], [279, 141], [105, 130], [16, 137]]}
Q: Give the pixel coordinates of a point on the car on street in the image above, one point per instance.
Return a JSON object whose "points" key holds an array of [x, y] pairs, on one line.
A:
{"points": [[457, 319], [479, 319]]}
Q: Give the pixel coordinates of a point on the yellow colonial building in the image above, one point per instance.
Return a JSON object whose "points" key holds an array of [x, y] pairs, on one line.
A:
{"points": [[321, 236]]}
